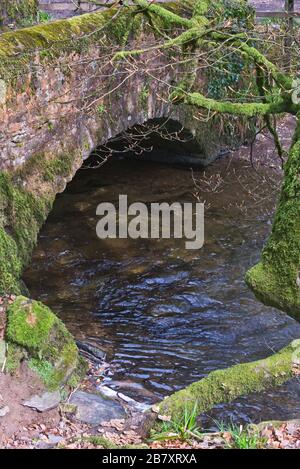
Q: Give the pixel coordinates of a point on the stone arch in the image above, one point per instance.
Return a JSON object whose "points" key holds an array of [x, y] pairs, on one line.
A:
{"points": [[57, 106]]}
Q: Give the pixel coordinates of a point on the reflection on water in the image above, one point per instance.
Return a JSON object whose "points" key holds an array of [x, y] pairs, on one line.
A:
{"points": [[166, 316]]}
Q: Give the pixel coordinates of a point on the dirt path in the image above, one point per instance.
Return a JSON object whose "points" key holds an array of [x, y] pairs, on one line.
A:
{"points": [[13, 391]]}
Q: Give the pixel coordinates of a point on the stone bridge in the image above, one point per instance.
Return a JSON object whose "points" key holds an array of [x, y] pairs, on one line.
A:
{"points": [[64, 90], [61, 96]]}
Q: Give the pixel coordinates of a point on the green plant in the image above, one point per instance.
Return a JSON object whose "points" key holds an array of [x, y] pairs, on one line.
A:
{"points": [[143, 97], [31, 19], [43, 16], [101, 109], [241, 438], [183, 428], [225, 76]]}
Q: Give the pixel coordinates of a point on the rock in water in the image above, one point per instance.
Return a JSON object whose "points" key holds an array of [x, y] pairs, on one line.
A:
{"points": [[92, 352], [47, 401], [94, 409]]}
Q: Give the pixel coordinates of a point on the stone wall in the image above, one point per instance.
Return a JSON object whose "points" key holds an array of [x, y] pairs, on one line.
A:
{"points": [[66, 8], [52, 80]]}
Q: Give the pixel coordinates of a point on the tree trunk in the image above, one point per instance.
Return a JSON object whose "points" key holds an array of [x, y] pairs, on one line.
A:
{"points": [[226, 385], [276, 279], [288, 43]]}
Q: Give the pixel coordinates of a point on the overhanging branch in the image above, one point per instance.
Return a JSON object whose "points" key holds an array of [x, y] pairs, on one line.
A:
{"points": [[169, 16], [243, 109]]}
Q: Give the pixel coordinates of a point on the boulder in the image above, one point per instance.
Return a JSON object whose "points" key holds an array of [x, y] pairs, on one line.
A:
{"points": [[35, 332], [95, 409]]}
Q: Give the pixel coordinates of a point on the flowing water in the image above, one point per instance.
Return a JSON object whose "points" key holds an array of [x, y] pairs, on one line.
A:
{"points": [[166, 316]]}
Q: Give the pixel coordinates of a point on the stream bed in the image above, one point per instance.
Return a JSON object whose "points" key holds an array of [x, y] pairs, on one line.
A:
{"points": [[167, 316]]}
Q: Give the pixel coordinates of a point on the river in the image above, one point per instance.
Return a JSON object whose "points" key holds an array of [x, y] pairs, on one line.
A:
{"points": [[167, 316]]}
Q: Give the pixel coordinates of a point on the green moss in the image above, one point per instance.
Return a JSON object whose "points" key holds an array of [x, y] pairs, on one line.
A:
{"points": [[15, 355], [44, 370], [226, 107], [100, 441], [22, 213], [21, 216], [121, 27], [29, 324], [51, 349], [143, 98], [276, 279], [81, 370], [10, 265], [169, 17], [52, 376], [61, 166], [107, 444], [101, 109], [46, 167], [226, 385], [201, 7]]}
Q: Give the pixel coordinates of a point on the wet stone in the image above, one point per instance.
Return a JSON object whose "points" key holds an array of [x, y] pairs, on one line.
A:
{"points": [[95, 409], [91, 351]]}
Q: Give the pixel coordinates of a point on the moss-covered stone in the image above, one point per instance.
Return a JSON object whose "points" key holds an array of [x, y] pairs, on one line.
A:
{"points": [[21, 216], [226, 385], [51, 350], [53, 39]]}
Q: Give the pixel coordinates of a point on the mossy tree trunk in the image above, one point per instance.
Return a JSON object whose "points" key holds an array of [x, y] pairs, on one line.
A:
{"points": [[226, 385], [276, 279]]}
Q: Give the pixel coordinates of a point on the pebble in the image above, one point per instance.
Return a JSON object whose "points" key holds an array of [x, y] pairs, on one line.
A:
{"points": [[4, 411]]}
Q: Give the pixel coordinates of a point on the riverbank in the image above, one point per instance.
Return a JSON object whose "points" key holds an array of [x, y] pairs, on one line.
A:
{"points": [[92, 415], [82, 421]]}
